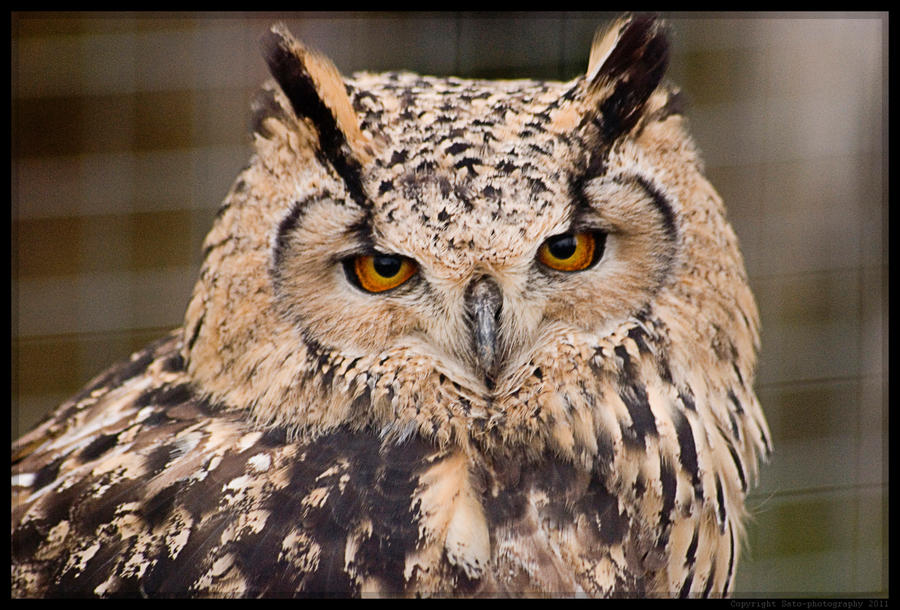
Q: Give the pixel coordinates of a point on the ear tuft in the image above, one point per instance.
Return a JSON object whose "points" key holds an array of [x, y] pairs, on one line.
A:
{"points": [[627, 63], [317, 92]]}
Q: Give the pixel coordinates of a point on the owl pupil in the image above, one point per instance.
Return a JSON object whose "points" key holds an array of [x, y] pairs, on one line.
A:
{"points": [[386, 266], [562, 247]]}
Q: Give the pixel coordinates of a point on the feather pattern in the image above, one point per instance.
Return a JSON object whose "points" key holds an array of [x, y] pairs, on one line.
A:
{"points": [[300, 437]]}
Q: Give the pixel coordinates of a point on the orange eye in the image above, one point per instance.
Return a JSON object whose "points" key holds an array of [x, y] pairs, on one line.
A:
{"points": [[570, 251], [380, 272]]}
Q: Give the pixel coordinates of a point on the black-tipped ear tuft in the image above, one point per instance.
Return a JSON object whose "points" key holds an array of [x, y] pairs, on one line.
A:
{"points": [[627, 63], [317, 93], [286, 59]]}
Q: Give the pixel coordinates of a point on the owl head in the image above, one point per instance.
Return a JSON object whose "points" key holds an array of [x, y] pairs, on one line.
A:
{"points": [[483, 263]]}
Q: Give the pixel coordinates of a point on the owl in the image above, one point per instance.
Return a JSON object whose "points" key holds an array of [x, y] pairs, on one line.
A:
{"points": [[450, 338]]}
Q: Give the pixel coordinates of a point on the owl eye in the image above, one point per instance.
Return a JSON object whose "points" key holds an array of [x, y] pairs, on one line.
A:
{"points": [[572, 251], [381, 272]]}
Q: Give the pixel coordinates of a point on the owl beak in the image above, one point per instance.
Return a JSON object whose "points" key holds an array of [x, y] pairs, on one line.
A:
{"points": [[484, 300]]}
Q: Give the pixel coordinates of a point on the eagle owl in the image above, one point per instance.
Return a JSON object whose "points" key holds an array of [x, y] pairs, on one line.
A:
{"points": [[450, 337]]}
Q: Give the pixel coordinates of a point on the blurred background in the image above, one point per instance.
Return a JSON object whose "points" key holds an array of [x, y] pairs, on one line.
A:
{"points": [[128, 129]]}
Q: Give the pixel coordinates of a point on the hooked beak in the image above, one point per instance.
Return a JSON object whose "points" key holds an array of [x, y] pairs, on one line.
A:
{"points": [[483, 303]]}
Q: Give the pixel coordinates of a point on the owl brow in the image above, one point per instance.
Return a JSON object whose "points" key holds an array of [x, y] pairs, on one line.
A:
{"points": [[359, 232], [582, 207]]}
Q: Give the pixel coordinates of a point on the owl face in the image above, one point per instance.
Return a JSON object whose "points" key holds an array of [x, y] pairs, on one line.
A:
{"points": [[435, 248], [550, 242]]}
